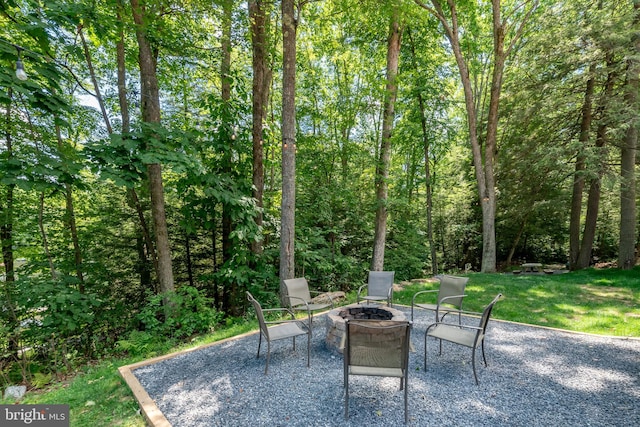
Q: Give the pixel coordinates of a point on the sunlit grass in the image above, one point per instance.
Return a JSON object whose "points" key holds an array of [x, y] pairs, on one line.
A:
{"points": [[593, 301]]}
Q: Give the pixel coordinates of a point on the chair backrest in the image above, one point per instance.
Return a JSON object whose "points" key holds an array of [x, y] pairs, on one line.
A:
{"points": [[484, 320], [379, 283], [377, 343], [258, 309], [299, 289], [451, 286]]}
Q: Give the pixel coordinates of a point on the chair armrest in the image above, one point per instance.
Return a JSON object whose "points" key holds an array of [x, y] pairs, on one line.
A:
{"points": [[283, 310], [450, 297], [413, 300], [360, 290]]}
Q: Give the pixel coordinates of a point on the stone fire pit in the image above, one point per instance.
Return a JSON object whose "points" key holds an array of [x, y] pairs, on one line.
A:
{"points": [[335, 321]]}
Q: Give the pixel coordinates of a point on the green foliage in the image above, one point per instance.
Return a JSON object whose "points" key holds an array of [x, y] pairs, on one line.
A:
{"points": [[178, 314]]}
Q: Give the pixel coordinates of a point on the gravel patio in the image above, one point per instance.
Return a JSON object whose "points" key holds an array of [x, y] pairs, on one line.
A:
{"points": [[536, 377]]}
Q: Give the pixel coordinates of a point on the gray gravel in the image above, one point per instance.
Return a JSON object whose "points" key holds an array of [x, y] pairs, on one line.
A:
{"points": [[535, 377]]}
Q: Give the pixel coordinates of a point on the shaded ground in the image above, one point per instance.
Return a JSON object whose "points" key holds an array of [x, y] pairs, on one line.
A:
{"points": [[536, 377]]}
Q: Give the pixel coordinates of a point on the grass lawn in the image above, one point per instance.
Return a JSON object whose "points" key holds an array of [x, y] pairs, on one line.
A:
{"points": [[603, 302]]}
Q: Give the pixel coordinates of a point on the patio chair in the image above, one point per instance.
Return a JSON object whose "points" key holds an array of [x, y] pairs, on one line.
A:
{"points": [[299, 297], [379, 287], [468, 336], [377, 348], [449, 299], [279, 329]]}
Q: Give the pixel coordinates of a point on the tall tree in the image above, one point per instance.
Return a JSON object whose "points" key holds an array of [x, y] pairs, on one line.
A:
{"points": [[259, 22], [150, 104], [288, 204], [579, 174], [628, 219], [382, 168], [484, 160]]}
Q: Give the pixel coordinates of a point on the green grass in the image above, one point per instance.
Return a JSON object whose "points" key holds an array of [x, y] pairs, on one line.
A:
{"points": [[594, 301], [605, 302]]}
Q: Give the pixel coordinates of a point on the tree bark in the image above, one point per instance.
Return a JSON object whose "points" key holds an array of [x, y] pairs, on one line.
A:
{"points": [[150, 253], [288, 204], [258, 21], [150, 103], [626, 255], [382, 169]]}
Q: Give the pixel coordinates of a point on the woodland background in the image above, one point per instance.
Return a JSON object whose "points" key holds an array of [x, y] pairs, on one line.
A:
{"points": [[163, 157]]}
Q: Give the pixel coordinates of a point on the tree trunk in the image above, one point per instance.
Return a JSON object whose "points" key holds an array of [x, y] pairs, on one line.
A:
{"points": [[288, 204], [258, 18], [427, 169], [134, 201], [229, 292], [578, 178], [150, 102], [483, 164], [45, 240], [6, 212], [593, 199], [70, 220], [382, 169], [225, 77], [626, 255]]}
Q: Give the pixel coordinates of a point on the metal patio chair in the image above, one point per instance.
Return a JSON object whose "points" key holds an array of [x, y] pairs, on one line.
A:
{"points": [[449, 299], [377, 348], [379, 287], [468, 336], [279, 329], [299, 297]]}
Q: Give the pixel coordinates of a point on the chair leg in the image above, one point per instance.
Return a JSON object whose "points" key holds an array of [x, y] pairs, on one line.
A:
{"points": [[266, 366], [483, 356], [309, 349], [406, 394], [425, 352], [473, 363], [346, 396], [259, 344]]}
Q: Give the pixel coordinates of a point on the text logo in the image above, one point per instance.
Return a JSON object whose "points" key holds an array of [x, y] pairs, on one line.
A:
{"points": [[34, 415]]}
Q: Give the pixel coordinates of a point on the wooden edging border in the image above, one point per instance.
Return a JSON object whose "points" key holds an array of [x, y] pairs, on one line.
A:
{"points": [[152, 414]]}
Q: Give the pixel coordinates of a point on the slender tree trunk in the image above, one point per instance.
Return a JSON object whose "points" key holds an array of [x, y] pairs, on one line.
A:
{"points": [[627, 257], [593, 199], [258, 18], [514, 245], [382, 168], [579, 178], [134, 201], [94, 80], [70, 220], [150, 102], [6, 211], [45, 240], [427, 169], [288, 204], [225, 77]]}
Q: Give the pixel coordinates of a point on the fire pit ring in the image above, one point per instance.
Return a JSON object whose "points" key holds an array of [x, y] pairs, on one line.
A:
{"points": [[336, 320]]}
